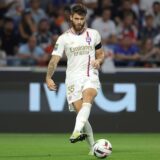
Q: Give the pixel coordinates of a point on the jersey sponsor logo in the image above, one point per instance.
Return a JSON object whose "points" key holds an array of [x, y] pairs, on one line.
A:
{"points": [[81, 50]]}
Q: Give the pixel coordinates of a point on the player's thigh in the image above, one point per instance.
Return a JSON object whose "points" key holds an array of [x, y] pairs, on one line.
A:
{"points": [[88, 95], [77, 105]]}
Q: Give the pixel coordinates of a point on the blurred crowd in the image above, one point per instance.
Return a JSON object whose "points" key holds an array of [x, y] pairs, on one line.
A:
{"points": [[130, 30]]}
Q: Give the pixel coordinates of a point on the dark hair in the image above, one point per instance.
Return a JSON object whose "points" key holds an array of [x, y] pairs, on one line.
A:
{"points": [[79, 9], [155, 3], [67, 9], [43, 20], [106, 9]]}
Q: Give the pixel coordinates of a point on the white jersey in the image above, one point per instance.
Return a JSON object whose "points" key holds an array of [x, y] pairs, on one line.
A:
{"points": [[80, 51]]}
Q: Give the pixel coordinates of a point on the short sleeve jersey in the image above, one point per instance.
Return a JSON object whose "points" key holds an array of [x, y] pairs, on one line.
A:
{"points": [[80, 51]]}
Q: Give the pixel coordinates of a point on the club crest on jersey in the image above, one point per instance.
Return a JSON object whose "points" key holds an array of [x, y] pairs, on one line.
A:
{"points": [[88, 40]]}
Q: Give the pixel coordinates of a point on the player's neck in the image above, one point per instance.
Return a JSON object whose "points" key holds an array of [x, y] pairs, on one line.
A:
{"points": [[78, 32]]}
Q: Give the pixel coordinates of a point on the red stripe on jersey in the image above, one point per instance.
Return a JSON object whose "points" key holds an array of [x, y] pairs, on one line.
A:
{"points": [[88, 67], [88, 38], [87, 34]]}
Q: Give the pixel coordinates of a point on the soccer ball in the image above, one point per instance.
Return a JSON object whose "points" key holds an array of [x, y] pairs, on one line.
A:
{"points": [[102, 148]]}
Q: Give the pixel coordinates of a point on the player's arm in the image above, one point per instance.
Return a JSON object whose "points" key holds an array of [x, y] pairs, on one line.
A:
{"points": [[57, 53], [99, 57], [50, 71], [99, 53]]}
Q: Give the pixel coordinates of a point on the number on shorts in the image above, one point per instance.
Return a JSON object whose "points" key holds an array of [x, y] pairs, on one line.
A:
{"points": [[70, 89]]}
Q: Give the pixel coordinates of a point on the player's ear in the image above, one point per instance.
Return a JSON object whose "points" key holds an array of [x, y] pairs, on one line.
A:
{"points": [[71, 17]]}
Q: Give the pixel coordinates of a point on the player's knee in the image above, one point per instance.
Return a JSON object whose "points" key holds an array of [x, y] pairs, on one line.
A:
{"points": [[89, 95], [86, 105], [88, 99]]}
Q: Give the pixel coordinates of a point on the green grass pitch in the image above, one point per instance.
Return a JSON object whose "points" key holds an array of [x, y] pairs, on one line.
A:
{"points": [[57, 147]]}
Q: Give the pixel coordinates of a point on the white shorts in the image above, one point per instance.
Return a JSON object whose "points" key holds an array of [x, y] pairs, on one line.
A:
{"points": [[74, 89]]}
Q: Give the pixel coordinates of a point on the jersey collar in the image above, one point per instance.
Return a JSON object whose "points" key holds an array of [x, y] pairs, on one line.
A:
{"points": [[73, 32]]}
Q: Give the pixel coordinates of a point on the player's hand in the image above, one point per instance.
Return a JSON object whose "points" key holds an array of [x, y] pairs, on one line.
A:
{"points": [[51, 85], [95, 64]]}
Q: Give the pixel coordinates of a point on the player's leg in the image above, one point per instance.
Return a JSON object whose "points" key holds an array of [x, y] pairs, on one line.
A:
{"points": [[83, 108], [88, 96], [90, 139], [87, 127], [77, 135], [78, 105]]}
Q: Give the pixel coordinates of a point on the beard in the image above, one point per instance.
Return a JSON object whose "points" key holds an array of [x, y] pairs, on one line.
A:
{"points": [[78, 27]]}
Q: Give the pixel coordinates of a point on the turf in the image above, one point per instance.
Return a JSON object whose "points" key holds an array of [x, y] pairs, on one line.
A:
{"points": [[57, 147]]}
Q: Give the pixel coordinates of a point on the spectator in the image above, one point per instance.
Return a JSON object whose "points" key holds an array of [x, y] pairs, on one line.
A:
{"points": [[91, 6], [54, 28], [105, 26], [107, 4], [156, 40], [60, 18], [135, 8], [9, 39], [62, 3], [16, 10], [66, 23], [148, 31], [128, 28], [50, 10], [5, 5], [125, 9], [3, 57], [156, 13], [126, 53], [44, 36], [36, 11], [31, 54], [150, 53], [108, 64], [27, 26], [113, 19], [50, 47], [146, 5], [1, 23]]}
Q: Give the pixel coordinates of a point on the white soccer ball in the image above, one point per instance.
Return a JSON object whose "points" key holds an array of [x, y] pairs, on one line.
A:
{"points": [[102, 148]]}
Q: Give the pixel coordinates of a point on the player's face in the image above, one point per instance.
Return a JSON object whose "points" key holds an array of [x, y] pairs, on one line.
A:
{"points": [[78, 21]]}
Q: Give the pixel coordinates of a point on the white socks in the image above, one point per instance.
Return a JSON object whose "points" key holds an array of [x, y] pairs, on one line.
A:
{"points": [[82, 123], [82, 117], [88, 130]]}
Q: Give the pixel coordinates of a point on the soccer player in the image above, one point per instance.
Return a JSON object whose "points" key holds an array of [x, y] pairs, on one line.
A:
{"points": [[83, 49]]}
